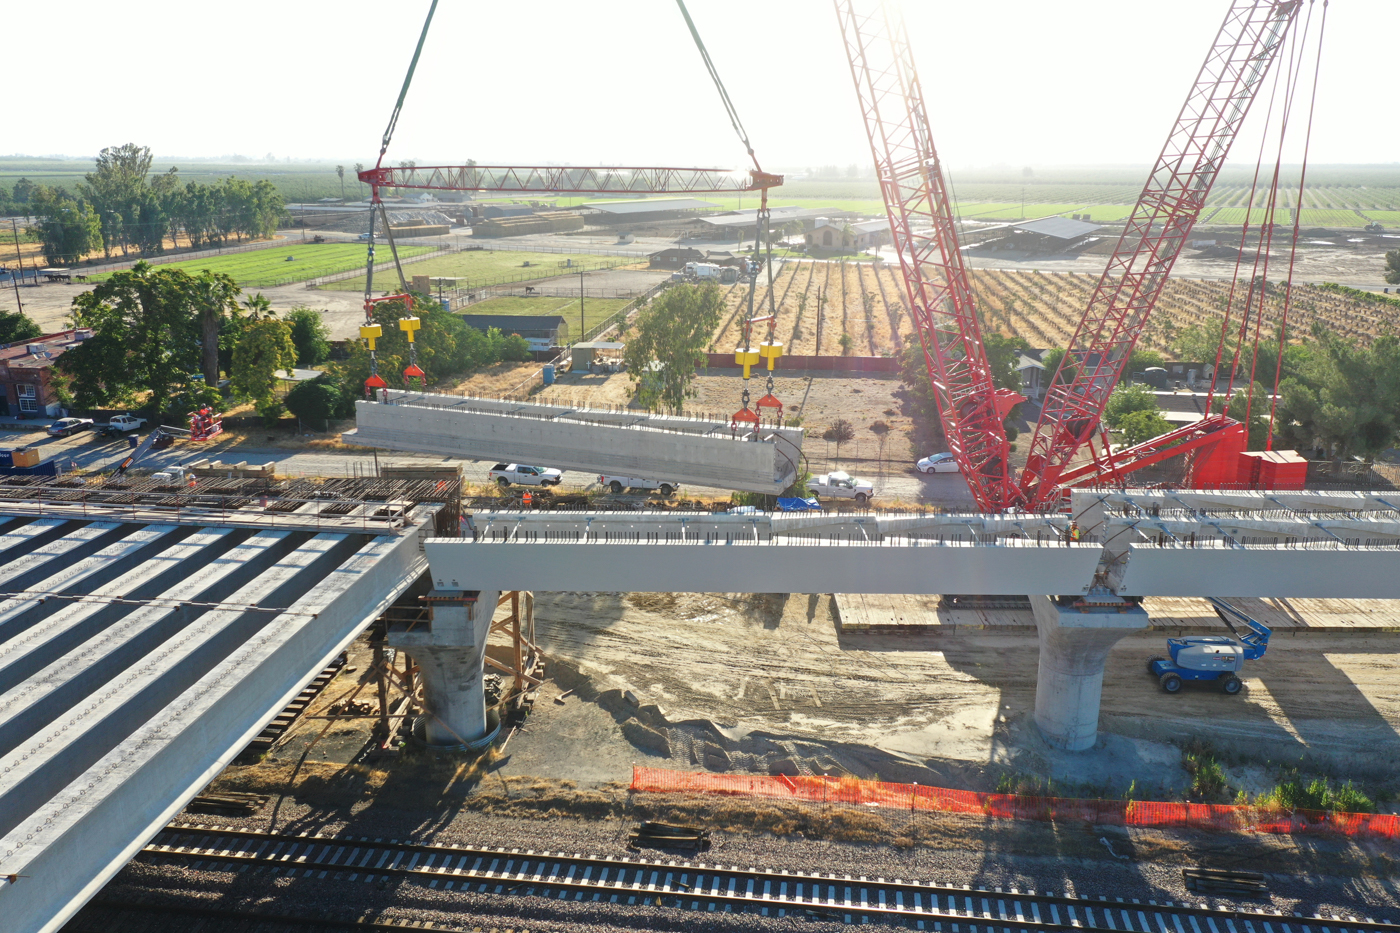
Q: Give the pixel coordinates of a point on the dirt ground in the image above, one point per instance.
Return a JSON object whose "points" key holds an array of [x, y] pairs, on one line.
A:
{"points": [[776, 679], [753, 683]]}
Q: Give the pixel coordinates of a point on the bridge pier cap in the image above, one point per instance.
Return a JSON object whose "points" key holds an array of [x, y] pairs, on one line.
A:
{"points": [[450, 651], [1074, 644]]}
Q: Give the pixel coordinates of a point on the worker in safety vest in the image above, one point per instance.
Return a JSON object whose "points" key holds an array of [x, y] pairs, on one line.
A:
{"points": [[528, 500], [1074, 532]]}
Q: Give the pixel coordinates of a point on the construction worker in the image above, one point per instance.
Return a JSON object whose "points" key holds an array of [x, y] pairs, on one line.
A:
{"points": [[1074, 532], [527, 500]]}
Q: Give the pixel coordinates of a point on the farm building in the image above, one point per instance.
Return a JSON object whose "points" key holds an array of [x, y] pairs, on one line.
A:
{"points": [[26, 371], [838, 234], [1046, 235], [646, 210], [541, 331], [778, 217], [674, 257], [1032, 370]]}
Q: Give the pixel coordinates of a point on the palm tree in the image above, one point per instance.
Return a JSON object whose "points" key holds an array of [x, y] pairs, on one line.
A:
{"points": [[259, 308], [340, 170], [359, 167]]}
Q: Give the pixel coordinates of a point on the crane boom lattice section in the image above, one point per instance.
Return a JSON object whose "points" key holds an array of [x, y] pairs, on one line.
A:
{"points": [[563, 179], [936, 282], [1244, 49]]}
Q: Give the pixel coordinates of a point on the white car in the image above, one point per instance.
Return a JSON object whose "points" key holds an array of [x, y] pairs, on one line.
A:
{"points": [[522, 475], [938, 463]]}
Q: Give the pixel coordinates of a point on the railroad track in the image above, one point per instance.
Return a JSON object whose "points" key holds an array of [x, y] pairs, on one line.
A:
{"points": [[700, 886]]}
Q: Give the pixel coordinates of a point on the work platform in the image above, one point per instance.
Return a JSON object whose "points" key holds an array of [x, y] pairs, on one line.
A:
{"points": [[140, 654], [697, 451]]}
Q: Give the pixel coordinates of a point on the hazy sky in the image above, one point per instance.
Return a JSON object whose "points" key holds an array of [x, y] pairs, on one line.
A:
{"points": [[1007, 81]]}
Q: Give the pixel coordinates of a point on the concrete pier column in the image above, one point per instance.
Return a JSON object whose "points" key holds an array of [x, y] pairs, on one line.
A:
{"points": [[449, 650], [1074, 643]]}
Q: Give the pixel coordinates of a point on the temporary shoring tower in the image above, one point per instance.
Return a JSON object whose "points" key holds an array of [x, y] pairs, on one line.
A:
{"points": [[939, 290], [568, 180]]}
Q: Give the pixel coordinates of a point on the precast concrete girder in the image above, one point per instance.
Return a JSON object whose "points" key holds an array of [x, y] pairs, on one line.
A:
{"points": [[158, 676], [518, 525], [649, 565], [1215, 568], [670, 449], [1231, 501]]}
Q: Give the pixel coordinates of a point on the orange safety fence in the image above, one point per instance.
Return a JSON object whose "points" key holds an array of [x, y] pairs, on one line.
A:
{"points": [[849, 791]]}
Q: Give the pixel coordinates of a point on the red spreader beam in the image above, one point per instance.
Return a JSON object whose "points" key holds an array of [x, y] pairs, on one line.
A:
{"points": [[562, 179], [1244, 48]]}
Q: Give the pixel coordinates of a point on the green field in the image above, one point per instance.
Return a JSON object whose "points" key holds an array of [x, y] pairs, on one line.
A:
{"points": [[1320, 218], [1384, 217], [485, 267], [595, 310], [264, 268]]}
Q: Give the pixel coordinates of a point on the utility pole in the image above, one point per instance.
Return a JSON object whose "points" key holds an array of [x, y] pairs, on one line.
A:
{"points": [[14, 279], [581, 332]]}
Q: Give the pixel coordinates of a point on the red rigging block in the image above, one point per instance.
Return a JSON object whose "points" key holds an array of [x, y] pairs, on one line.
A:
{"points": [[1217, 466]]}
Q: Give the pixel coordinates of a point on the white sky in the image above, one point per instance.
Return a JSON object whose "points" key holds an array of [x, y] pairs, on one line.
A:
{"points": [[619, 82]]}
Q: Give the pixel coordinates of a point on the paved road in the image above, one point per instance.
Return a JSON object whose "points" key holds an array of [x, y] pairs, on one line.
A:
{"points": [[89, 453]]}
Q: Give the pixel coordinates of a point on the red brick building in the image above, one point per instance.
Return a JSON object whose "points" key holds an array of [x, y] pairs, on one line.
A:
{"points": [[26, 372]]}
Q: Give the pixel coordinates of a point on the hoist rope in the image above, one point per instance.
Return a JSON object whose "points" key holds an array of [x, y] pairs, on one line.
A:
{"points": [[1297, 221]]}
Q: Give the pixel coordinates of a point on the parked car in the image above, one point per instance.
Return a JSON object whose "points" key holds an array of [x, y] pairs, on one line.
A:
{"points": [[938, 463], [367, 236], [841, 485], [616, 484], [507, 473], [66, 426]]}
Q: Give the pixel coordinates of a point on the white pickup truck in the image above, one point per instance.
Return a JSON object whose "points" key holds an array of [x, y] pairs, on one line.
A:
{"points": [[616, 484], [518, 473], [841, 485], [123, 424]]}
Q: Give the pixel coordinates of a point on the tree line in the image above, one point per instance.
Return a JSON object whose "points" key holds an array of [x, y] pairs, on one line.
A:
{"points": [[163, 340], [121, 207]]}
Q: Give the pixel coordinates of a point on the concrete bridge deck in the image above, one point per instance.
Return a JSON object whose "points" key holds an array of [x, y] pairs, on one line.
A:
{"points": [[138, 658]]}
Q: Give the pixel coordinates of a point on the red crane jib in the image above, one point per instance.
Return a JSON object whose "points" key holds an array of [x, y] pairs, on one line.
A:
{"points": [[1167, 209], [565, 179]]}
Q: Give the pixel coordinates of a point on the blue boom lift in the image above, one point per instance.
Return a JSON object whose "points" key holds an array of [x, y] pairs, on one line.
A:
{"points": [[1212, 657]]}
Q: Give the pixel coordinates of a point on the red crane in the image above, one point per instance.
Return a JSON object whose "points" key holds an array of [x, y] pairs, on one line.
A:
{"points": [[944, 312], [925, 239]]}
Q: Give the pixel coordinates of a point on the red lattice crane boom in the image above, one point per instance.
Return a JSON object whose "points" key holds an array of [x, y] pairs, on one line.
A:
{"points": [[936, 282], [1170, 203]]}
